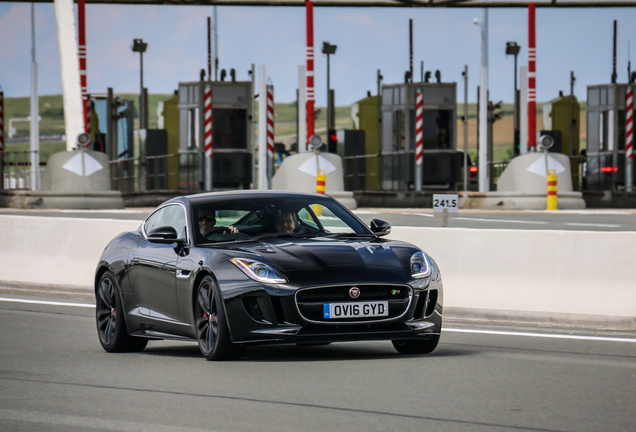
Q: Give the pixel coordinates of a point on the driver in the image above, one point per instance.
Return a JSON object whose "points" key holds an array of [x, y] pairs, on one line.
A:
{"points": [[207, 221], [285, 222]]}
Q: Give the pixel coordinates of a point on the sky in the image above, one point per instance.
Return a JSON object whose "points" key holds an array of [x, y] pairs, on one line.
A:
{"points": [[368, 39]]}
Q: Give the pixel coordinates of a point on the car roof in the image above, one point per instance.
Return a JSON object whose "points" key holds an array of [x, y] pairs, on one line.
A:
{"points": [[242, 194]]}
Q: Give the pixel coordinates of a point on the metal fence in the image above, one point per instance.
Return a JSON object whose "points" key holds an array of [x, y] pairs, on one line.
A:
{"points": [[123, 173], [496, 169], [160, 170], [165, 172], [16, 169]]}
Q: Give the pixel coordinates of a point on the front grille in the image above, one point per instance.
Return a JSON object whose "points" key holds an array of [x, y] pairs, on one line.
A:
{"points": [[311, 301], [341, 293]]}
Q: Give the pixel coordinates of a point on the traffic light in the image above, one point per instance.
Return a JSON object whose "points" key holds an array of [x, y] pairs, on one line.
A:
{"points": [[332, 141]]}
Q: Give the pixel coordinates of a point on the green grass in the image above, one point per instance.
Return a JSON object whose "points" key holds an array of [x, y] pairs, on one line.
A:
{"points": [[46, 148], [52, 113]]}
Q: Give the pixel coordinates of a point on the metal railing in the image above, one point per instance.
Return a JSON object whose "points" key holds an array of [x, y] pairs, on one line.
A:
{"points": [[123, 173], [16, 169], [165, 172], [361, 172], [496, 169], [160, 170]]}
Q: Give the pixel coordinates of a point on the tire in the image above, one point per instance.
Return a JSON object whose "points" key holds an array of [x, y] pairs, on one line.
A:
{"points": [[213, 333], [416, 346], [110, 320]]}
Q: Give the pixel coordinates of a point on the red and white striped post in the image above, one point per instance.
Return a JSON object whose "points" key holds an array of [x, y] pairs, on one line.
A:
{"points": [[208, 136], [532, 79], [1, 140], [1, 122], [419, 139], [629, 140], [81, 23], [309, 9], [270, 134]]}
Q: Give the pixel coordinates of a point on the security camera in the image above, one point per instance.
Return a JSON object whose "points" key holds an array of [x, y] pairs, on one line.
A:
{"points": [[545, 142], [83, 139], [315, 141]]}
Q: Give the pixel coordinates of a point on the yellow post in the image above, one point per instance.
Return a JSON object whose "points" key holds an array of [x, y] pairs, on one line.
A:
{"points": [[321, 180], [552, 190]]}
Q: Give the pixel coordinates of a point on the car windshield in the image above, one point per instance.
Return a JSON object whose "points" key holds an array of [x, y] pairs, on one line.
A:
{"points": [[255, 218]]}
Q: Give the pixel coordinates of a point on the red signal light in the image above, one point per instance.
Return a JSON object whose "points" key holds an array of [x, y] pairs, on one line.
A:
{"points": [[609, 169], [473, 169]]}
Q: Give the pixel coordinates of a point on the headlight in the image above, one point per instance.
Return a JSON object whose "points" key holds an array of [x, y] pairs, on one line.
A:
{"points": [[258, 271], [420, 265]]}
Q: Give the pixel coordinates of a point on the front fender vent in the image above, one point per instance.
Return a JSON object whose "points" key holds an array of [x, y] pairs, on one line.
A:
{"points": [[252, 308]]}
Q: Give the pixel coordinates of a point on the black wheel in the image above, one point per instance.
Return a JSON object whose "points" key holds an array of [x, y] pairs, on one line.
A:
{"points": [[213, 333], [109, 314], [416, 346]]}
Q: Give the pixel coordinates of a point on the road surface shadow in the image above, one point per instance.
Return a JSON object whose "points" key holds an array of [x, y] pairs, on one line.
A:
{"points": [[344, 351]]}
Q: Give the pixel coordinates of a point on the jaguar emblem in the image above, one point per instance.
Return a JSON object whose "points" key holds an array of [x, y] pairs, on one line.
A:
{"points": [[354, 292]]}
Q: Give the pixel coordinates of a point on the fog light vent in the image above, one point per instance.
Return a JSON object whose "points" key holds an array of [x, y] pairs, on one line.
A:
{"points": [[419, 308], [252, 308], [432, 302]]}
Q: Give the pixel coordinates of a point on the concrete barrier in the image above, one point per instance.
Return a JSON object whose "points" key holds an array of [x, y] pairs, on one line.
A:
{"points": [[55, 251], [577, 277]]}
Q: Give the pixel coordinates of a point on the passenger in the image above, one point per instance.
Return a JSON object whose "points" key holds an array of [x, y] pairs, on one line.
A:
{"points": [[285, 222], [207, 221]]}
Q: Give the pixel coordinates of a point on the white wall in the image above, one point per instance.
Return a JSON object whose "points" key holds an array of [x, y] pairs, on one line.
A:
{"points": [[570, 272]]}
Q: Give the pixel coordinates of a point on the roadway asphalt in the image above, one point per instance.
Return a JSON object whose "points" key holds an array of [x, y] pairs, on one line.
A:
{"points": [[54, 376], [571, 220]]}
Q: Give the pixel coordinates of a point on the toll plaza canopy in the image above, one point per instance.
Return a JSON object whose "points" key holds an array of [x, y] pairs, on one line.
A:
{"points": [[374, 3]]}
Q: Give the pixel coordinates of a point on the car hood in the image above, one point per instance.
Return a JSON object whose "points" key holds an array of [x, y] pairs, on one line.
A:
{"points": [[318, 260]]}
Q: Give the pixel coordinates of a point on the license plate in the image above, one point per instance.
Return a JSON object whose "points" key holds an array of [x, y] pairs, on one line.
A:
{"points": [[356, 310]]}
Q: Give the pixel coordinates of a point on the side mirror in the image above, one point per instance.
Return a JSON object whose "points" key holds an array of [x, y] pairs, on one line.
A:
{"points": [[380, 227], [165, 234]]}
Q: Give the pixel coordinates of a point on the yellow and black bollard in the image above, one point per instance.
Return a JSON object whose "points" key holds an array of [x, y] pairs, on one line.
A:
{"points": [[552, 190], [321, 180]]}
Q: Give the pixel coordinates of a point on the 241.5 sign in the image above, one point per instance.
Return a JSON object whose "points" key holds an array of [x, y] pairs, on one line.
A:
{"points": [[445, 201]]}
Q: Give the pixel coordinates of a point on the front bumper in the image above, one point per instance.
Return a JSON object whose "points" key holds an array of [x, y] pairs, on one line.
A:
{"points": [[266, 316]]}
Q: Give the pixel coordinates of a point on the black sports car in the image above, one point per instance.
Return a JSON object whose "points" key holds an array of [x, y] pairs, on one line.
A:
{"points": [[233, 269]]}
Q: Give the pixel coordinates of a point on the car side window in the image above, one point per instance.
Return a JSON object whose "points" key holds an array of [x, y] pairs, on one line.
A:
{"points": [[306, 217], [172, 215]]}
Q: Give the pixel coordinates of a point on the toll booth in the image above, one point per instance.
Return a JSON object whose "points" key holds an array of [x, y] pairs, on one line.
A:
{"points": [[361, 167], [112, 123], [606, 118], [112, 135], [561, 120], [388, 163], [442, 162], [168, 119], [232, 135]]}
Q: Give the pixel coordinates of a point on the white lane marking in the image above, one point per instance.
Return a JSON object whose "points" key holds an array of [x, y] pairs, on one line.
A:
{"points": [[490, 332], [540, 335], [502, 220], [50, 303], [33, 417], [593, 225], [418, 214], [364, 212]]}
